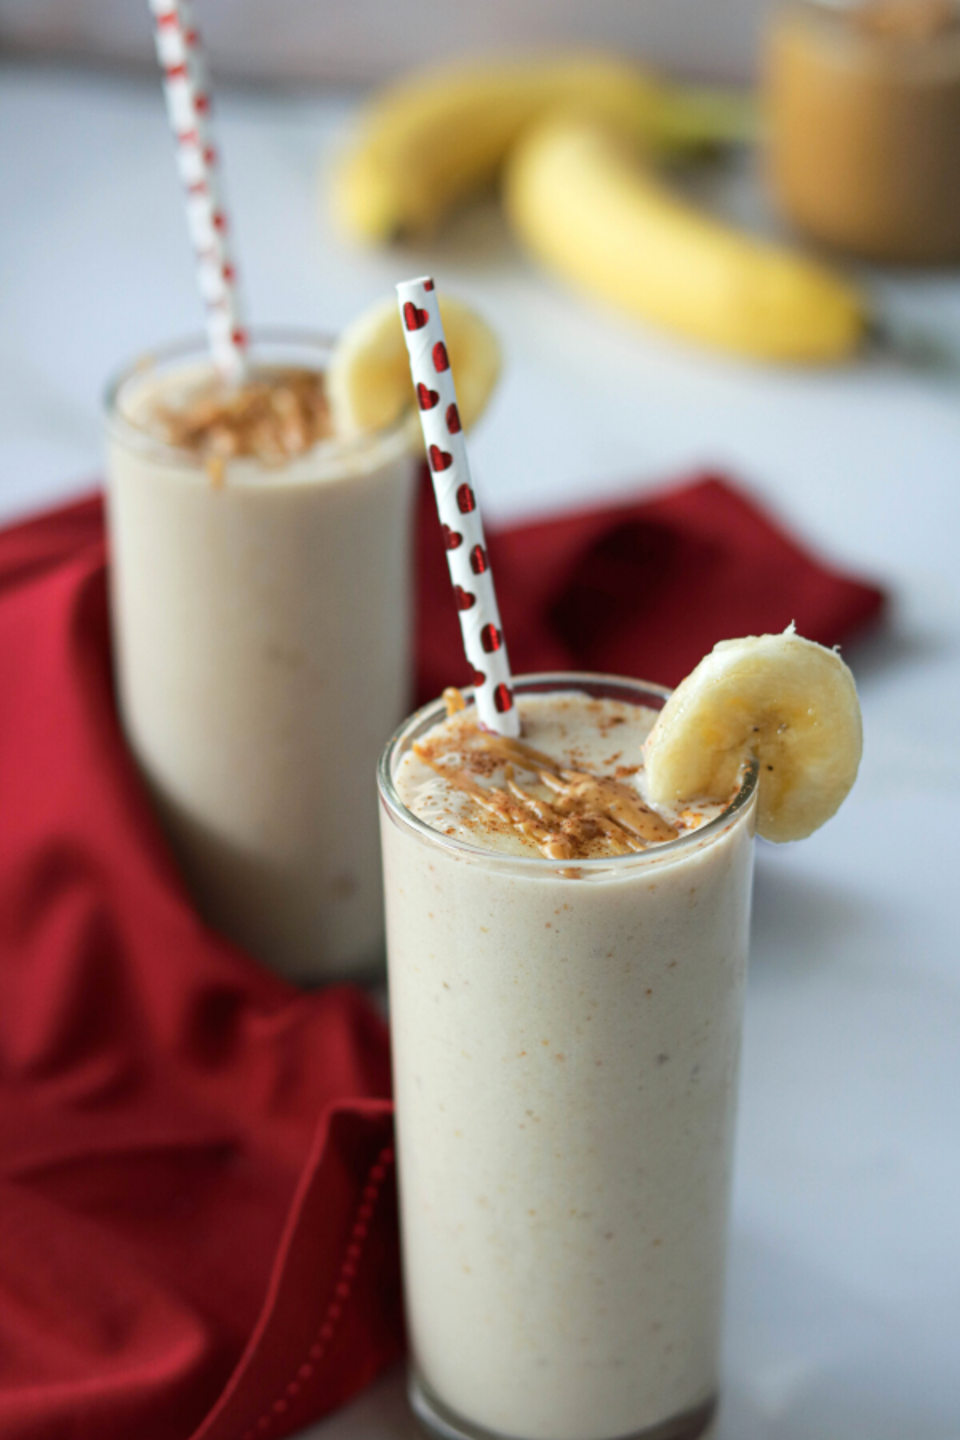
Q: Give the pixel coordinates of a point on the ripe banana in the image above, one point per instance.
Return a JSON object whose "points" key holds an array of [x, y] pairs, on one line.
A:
{"points": [[435, 138], [581, 201], [786, 702], [368, 374]]}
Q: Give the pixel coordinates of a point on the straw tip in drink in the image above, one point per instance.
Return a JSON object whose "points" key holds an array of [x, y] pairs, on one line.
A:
{"points": [[467, 559]]}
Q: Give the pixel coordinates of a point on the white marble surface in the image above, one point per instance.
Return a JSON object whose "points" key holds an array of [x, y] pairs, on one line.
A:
{"points": [[844, 1299]]}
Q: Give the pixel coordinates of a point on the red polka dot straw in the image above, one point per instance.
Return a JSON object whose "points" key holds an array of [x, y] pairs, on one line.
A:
{"points": [[470, 572], [180, 53]]}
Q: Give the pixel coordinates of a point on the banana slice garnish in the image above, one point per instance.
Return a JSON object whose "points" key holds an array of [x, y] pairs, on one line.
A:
{"points": [[787, 702], [368, 375]]}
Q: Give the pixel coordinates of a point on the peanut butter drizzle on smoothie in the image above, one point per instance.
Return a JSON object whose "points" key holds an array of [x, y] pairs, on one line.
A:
{"points": [[584, 816], [274, 416]]}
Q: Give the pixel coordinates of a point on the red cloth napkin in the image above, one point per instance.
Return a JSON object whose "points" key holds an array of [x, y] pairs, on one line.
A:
{"points": [[197, 1216]]}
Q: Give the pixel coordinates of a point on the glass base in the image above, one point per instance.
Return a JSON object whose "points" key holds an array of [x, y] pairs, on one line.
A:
{"points": [[441, 1423]]}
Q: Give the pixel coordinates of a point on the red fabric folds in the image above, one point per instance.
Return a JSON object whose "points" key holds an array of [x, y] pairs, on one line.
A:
{"points": [[643, 588], [197, 1220], [197, 1216]]}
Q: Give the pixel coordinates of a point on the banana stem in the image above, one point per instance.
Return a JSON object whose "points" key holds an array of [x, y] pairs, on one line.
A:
{"points": [[697, 117]]}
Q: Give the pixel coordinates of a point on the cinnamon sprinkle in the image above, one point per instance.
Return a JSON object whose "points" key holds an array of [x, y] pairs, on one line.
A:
{"points": [[581, 815], [275, 416]]}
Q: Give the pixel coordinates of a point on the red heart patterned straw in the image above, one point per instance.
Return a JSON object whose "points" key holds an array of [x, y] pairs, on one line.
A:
{"points": [[457, 503], [180, 53]]}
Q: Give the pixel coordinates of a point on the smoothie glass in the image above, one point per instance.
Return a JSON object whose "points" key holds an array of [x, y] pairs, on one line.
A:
{"points": [[566, 1040], [262, 637]]}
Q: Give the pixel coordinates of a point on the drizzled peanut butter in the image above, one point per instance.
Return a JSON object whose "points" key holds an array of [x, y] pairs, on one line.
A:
{"points": [[565, 812], [276, 415]]}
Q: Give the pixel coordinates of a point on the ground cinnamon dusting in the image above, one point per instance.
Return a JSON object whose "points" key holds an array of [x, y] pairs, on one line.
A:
{"points": [[453, 700], [569, 814], [273, 416]]}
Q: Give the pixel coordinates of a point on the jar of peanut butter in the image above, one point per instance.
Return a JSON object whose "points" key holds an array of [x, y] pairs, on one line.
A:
{"points": [[863, 108]]}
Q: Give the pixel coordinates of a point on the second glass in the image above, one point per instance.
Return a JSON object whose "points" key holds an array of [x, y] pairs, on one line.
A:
{"points": [[262, 635]]}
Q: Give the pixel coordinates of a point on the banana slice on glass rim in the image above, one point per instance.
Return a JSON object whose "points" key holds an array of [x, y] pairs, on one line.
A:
{"points": [[787, 702], [368, 374]]}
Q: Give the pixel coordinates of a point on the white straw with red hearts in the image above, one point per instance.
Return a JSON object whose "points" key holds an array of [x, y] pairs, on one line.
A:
{"points": [[180, 53], [457, 503]]}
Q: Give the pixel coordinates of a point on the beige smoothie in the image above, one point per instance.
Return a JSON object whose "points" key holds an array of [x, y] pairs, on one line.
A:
{"points": [[566, 985], [261, 596]]}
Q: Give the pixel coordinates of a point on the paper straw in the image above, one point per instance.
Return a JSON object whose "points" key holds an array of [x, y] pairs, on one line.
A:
{"points": [[180, 53], [457, 503]]}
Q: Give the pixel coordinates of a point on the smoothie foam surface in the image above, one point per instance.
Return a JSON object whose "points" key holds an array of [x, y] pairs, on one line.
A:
{"points": [[573, 788], [273, 429]]}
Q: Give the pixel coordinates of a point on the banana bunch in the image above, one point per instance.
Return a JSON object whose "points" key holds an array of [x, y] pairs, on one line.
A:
{"points": [[438, 137], [586, 205], [786, 703], [574, 141]]}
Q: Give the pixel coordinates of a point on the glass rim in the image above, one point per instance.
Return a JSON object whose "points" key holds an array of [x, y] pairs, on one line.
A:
{"points": [[196, 347], [549, 681]]}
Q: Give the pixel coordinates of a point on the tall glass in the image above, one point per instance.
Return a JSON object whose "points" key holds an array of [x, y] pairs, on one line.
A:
{"points": [[262, 635], [566, 1039]]}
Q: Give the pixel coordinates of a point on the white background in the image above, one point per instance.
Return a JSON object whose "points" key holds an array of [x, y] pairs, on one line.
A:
{"points": [[844, 1299], [346, 40]]}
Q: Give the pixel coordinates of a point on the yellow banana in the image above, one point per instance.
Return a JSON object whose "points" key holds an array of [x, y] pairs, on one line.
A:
{"points": [[437, 137], [582, 203], [786, 702]]}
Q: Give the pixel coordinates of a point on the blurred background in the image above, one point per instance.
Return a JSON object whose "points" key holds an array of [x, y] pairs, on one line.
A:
{"points": [[845, 1279], [372, 39]]}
